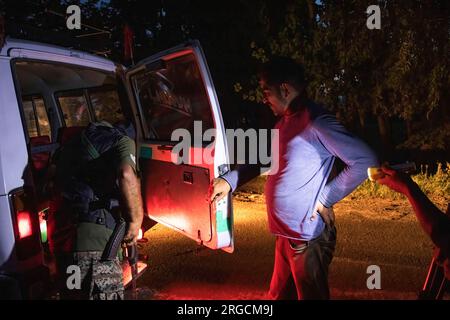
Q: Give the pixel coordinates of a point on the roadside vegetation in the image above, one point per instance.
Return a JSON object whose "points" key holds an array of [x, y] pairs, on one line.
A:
{"points": [[436, 186]]}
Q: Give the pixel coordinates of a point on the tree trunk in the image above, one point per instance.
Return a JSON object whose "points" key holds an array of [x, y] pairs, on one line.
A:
{"points": [[362, 124], [409, 128], [312, 11], [384, 131]]}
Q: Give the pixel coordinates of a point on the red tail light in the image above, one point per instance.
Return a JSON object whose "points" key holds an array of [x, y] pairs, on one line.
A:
{"points": [[24, 224]]}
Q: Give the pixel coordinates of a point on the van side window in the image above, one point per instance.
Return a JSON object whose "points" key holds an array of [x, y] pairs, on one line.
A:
{"points": [[36, 117], [106, 105], [30, 118], [75, 110], [42, 117]]}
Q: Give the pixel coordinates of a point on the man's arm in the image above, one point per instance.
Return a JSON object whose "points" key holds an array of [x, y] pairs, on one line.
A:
{"points": [[130, 189], [433, 221], [352, 151], [231, 180]]}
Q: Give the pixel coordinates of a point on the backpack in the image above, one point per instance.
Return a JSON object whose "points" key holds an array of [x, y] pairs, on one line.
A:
{"points": [[82, 176]]}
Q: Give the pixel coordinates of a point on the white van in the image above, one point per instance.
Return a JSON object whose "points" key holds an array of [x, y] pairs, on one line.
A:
{"points": [[47, 92]]}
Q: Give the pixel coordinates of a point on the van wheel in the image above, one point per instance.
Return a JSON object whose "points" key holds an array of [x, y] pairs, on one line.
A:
{"points": [[9, 288]]}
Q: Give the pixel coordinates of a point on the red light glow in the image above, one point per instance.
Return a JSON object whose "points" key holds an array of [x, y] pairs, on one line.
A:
{"points": [[24, 224]]}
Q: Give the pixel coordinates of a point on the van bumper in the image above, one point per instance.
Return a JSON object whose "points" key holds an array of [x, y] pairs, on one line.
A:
{"points": [[9, 288]]}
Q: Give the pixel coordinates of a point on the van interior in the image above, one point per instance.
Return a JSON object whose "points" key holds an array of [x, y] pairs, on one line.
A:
{"points": [[59, 99], [58, 95]]}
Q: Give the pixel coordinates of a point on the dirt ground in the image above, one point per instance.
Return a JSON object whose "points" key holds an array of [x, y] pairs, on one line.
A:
{"points": [[370, 232]]}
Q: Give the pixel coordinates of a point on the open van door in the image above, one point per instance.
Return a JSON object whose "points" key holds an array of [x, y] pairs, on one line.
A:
{"points": [[183, 144]]}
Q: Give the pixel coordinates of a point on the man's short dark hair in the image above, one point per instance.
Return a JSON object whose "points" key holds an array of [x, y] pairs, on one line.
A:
{"points": [[282, 70]]}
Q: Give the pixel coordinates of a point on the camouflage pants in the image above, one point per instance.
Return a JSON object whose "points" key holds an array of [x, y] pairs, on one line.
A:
{"points": [[100, 280]]}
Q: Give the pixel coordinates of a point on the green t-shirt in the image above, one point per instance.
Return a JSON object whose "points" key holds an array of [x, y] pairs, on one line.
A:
{"points": [[91, 236]]}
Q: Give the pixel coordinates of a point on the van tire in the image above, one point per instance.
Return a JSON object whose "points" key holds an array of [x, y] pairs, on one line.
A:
{"points": [[9, 288]]}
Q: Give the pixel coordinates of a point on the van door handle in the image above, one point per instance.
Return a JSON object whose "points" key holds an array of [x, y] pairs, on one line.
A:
{"points": [[188, 177], [166, 147]]}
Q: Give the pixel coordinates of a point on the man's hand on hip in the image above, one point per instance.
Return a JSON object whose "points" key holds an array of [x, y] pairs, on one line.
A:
{"points": [[219, 188], [327, 214]]}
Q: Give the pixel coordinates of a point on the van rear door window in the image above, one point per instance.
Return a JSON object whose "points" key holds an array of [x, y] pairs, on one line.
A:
{"points": [[173, 97]]}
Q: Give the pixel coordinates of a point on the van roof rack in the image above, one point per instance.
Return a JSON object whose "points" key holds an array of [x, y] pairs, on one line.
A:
{"points": [[101, 46]]}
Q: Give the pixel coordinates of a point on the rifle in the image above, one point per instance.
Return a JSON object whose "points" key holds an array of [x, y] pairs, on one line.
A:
{"points": [[435, 284], [131, 252], [114, 242], [132, 257]]}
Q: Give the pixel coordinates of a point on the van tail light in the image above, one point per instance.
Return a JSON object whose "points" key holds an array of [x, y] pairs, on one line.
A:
{"points": [[140, 235], [26, 224]]}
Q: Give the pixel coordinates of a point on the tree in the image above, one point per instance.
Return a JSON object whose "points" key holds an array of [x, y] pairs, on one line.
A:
{"points": [[398, 72]]}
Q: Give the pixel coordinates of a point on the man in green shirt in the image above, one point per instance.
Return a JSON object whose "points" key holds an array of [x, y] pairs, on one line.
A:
{"points": [[96, 184]]}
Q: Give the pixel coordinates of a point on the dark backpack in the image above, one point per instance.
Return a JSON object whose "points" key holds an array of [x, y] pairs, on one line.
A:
{"points": [[82, 175]]}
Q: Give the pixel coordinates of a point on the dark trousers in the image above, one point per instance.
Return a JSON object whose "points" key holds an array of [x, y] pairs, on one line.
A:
{"points": [[100, 280], [301, 268]]}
